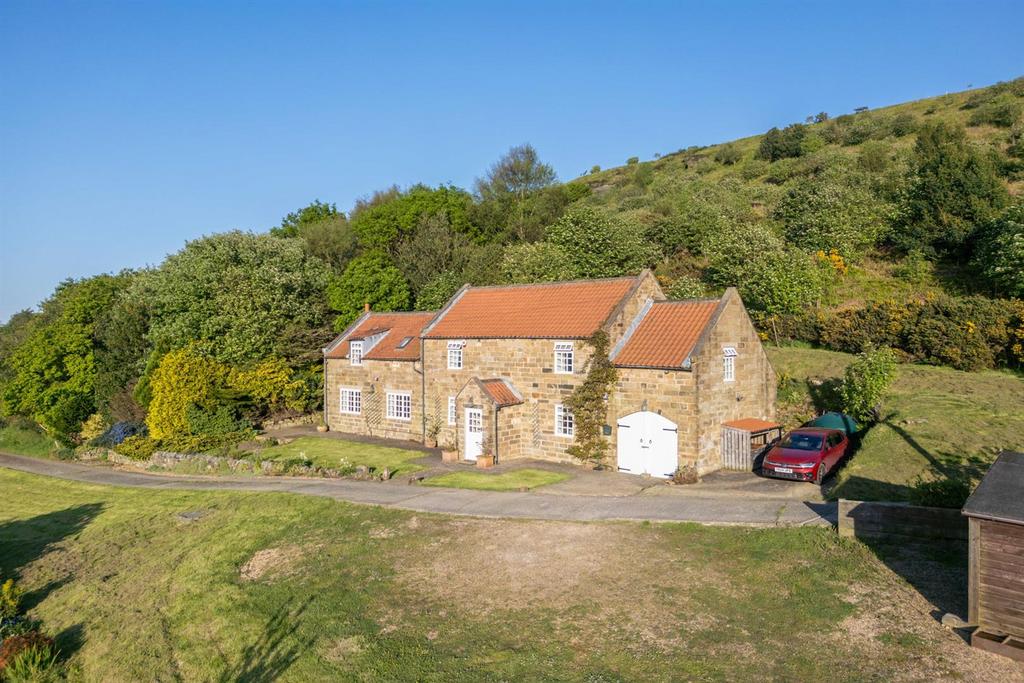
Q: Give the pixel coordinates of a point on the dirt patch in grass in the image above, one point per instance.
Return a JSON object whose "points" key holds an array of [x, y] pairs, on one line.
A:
{"points": [[273, 563]]}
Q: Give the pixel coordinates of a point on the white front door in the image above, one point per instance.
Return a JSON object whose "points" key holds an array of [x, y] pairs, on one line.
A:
{"points": [[474, 433], [648, 443]]}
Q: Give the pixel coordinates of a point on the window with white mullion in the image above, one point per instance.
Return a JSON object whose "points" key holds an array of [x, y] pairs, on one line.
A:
{"points": [[351, 401], [729, 364], [455, 355], [399, 406], [565, 423], [355, 352], [564, 358]]}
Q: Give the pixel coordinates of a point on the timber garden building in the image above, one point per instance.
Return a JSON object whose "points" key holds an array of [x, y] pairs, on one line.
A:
{"points": [[490, 372]]}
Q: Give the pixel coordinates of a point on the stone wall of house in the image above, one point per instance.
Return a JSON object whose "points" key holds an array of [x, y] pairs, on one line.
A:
{"points": [[375, 378], [529, 365], [648, 290], [752, 394], [666, 392]]}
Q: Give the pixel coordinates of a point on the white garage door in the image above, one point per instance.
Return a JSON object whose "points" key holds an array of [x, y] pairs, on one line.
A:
{"points": [[648, 443]]}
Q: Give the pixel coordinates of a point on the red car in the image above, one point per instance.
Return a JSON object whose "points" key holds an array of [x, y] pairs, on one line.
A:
{"points": [[806, 454]]}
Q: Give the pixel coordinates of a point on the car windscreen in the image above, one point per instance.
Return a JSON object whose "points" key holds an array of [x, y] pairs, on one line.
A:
{"points": [[802, 442]]}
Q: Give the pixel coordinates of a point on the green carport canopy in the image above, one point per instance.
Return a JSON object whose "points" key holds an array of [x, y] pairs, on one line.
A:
{"points": [[834, 420]]}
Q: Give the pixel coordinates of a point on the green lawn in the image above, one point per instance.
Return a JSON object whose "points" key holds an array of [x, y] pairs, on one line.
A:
{"points": [[336, 453], [277, 586], [506, 481], [26, 442], [937, 422]]}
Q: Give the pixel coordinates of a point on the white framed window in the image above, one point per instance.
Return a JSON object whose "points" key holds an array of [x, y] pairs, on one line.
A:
{"points": [[351, 402], [399, 406], [455, 355], [563, 358], [452, 410], [729, 364], [355, 352], [565, 424]]}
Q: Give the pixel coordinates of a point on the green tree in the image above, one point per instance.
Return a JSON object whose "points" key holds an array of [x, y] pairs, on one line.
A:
{"points": [[433, 249], [537, 262], [52, 372], [953, 189], [121, 354], [241, 297], [831, 212], [291, 225], [686, 287], [330, 239], [438, 291], [865, 382], [517, 189], [368, 279], [602, 244], [701, 208], [392, 217], [999, 254], [782, 144]]}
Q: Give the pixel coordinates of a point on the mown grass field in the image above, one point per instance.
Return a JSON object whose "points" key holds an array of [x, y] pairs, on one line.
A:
{"points": [[506, 481], [261, 587], [936, 422], [338, 453]]}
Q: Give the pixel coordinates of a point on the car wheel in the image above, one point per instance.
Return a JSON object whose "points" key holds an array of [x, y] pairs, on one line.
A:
{"points": [[822, 473]]}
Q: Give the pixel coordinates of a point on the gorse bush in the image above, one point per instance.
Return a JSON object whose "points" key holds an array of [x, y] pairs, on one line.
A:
{"points": [[865, 381], [10, 599], [940, 493]]}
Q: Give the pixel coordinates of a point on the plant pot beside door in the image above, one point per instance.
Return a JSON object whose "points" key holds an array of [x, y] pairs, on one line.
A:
{"points": [[485, 461]]}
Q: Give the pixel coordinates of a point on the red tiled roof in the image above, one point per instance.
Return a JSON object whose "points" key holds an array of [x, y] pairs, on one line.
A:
{"points": [[751, 424], [398, 326], [666, 334], [500, 392], [549, 310]]}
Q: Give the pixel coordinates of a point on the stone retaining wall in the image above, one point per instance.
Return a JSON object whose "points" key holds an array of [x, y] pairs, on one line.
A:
{"points": [[212, 463]]}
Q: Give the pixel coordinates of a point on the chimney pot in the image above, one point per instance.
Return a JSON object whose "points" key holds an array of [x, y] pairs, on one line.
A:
{"points": [[366, 307]]}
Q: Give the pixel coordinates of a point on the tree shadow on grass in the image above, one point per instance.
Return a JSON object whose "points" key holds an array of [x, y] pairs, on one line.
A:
{"points": [[23, 541], [273, 652], [825, 394]]}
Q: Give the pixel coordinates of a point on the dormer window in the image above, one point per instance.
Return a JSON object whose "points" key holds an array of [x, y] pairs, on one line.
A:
{"points": [[729, 364], [455, 355], [563, 358], [355, 352]]}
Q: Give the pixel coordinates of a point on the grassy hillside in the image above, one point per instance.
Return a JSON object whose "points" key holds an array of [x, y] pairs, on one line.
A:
{"points": [[260, 587], [937, 423]]}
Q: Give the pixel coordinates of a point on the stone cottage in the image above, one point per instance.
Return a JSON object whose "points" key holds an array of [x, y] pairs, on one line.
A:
{"points": [[490, 372]]}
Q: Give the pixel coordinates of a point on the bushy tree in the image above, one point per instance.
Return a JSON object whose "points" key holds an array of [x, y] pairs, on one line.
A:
{"points": [[390, 218], [701, 208], [240, 297], [121, 354], [369, 278], [292, 224], [52, 372], [602, 244], [782, 144], [831, 212], [686, 287], [1003, 110], [518, 196], [999, 254], [438, 291], [330, 239], [537, 262], [865, 382], [433, 249], [953, 189]]}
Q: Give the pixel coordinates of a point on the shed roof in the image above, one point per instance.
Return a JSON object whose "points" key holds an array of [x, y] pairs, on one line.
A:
{"points": [[666, 334], [553, 310], [501, 392], [1000, 495], [395, 326], [751, 424]]}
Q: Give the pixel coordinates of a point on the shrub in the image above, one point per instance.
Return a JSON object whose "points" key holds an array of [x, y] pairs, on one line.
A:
{"points": [[999, 253], [601, 244], [93, 427], [1002, 111], [183, 378], [940, 493], [29, 659], [782, 144], [632, 161], [596, 168], [685, 474], [15, 645], [903, 124], [728, 155], [136, 447], [914, 268], [536, 262], [119, 432], [865, 380], [686, 287], [10, 599]]}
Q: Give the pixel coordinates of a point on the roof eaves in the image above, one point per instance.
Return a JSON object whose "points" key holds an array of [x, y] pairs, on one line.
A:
{"points": [[348, 330], [444, 311], [713, 320], [637, 319]]}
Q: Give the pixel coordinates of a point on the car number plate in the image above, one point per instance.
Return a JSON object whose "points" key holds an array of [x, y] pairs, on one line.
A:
{"points": [[784, 470]]}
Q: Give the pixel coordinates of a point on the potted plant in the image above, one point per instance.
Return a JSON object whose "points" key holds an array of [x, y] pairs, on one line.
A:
{"points": [[486, 457], [449, 453]]}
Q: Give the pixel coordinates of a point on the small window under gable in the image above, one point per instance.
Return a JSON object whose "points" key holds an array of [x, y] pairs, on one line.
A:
{"points": [[563, 358], [355, 352], [729, 363], [455, 355]]}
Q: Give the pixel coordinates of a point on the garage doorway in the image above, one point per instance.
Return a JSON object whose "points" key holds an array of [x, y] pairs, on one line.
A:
{"points": [[648, 443]]}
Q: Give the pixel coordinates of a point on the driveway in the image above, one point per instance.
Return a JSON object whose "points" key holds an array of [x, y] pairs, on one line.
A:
{"points": [[682, 505]]}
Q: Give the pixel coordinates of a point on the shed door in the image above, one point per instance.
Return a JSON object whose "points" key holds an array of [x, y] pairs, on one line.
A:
{"points": [[648, 443]]}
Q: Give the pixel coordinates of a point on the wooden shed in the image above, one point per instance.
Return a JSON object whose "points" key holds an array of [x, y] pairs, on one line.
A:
{"points": [[995, 601], [746, 439]]}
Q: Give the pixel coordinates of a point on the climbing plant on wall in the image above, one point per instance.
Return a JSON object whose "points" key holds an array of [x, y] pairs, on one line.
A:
{"points": [[588, 403]]}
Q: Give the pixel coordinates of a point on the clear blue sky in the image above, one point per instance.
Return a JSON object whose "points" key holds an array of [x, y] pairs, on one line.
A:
{"points": [[127, 128]]}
